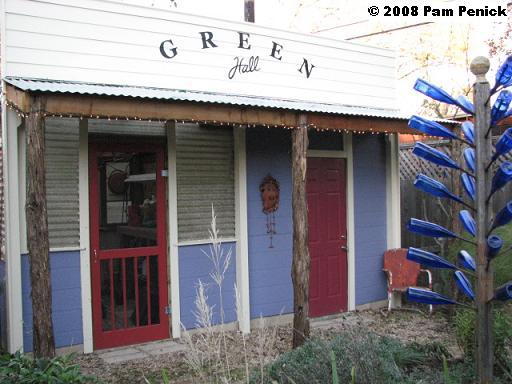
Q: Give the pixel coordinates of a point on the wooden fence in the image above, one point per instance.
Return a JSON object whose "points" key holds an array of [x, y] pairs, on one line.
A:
{"points": [[418, 204]]}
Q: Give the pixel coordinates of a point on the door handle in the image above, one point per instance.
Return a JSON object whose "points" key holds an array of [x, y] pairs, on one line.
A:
{"points": [[95, 253], [344, 248]]}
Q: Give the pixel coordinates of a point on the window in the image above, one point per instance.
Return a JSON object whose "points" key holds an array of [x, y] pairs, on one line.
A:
{"points": [[205, 178], [62, 182]]}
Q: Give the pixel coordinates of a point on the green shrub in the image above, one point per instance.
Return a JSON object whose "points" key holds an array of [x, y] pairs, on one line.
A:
{"points": [[434, 352], [356, 356], [465, 333], [21, 369]]}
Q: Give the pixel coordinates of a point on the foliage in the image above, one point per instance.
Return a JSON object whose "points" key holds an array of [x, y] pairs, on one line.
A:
{"points": [[21, 369], [356, 356], [502, 264], [164, 378], [335, 377], [434, 351], [443, 279], [448, 379], [465, 333], [207, 355]]}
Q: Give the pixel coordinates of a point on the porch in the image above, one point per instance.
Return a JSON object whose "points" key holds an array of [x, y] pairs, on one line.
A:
{"points": [[260, 141]]}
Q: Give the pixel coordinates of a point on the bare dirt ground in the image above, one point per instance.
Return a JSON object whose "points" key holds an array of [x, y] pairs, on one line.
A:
{"points": [[406, 326]]}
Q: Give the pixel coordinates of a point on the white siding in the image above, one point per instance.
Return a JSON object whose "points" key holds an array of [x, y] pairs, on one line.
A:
{"points": [[62, 182], [114, 43], [205, 178]]}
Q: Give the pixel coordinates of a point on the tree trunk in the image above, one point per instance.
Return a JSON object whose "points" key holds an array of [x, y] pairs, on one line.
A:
{"points": [[300, 265], [37, 232]]}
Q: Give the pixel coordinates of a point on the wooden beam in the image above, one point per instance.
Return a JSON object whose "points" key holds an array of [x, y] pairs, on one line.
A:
{"points": [[37, 233], [20, 99], [59, 104], [360, 123], [301, 260], [150, 109]]}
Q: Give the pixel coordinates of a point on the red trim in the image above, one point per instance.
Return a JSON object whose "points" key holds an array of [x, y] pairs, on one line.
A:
{"points": [[125, 302], [148, 289], [137, 334], [112, 301], [135, 281], [120, 253]]}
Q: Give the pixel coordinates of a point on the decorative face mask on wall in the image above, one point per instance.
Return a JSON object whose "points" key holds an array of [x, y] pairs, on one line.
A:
{"points": [[269, 190]]}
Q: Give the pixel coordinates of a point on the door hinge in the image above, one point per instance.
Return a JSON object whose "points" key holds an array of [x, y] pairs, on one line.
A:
{"points": [[167, 310], [164, 173]]}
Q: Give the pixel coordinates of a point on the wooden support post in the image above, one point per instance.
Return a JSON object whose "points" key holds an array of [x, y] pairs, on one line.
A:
{"points": [[485, 274], [37, 232], [300, 265], [249, 11]]}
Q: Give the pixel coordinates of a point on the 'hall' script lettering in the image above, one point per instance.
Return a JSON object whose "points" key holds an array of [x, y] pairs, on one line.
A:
{"points": [[244, 67]]}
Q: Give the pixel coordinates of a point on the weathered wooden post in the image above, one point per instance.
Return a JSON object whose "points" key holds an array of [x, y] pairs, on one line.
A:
{"points": [[249, 11], [300, 264], [485, 275], [37, 232]]}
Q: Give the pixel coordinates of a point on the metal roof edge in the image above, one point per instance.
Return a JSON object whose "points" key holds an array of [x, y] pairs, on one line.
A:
{"points": [[137, 91]]}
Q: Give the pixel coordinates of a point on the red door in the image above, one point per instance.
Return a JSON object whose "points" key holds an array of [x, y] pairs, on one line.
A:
{"points": [[326, 194], [128, 244]]}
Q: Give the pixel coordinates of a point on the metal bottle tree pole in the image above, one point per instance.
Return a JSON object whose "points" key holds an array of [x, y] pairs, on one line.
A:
{"points": [[480, 184]]}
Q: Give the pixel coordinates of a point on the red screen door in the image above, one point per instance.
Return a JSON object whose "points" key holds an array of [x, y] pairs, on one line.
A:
{"points": [[326, 194], [128, 244]]}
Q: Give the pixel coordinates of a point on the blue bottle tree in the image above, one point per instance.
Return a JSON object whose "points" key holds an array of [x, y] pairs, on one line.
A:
{"points": [[481, 178]]}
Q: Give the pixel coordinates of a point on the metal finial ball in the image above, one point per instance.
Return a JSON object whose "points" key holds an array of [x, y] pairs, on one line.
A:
{"points": [[480, 65]]}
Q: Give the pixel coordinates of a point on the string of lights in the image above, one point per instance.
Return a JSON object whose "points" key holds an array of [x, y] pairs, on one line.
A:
{"points": [[22, 114]]}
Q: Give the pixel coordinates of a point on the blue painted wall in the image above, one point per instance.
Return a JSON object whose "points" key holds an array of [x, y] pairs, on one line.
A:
{"points": [[66, 299], [268, 151], [271, 293], [194, 266], [370, 216], [3, 306]]}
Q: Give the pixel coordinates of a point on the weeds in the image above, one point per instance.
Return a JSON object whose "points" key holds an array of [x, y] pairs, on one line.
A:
{"points": [[20, 369], [208, 353], [334, 369], [465, 333]]}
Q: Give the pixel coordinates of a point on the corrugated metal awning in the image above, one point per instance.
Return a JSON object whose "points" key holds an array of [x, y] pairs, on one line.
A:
{"points": [[59, 86], [67, 98]]}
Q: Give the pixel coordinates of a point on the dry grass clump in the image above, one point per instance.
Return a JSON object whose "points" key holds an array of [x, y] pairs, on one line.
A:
{"points": [[208, 355]]}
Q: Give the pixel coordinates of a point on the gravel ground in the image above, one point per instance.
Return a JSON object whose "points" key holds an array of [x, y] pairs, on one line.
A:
{"points": [[406, 326]]}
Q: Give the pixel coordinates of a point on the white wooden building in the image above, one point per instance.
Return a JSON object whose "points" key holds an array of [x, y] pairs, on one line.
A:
{"points": [[152, 117]]}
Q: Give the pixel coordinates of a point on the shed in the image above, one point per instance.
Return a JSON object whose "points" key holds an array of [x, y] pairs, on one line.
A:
{"points": [[153, 117]]}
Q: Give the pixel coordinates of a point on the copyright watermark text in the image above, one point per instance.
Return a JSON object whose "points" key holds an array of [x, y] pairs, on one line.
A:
{"points": [[439, 10]]}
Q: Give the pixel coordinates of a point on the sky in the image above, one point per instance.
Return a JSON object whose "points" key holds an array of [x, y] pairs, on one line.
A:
{"points": [[440, 52]]}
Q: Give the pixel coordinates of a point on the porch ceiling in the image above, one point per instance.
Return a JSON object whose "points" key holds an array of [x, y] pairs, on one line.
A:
{"points": [[101, 100]]}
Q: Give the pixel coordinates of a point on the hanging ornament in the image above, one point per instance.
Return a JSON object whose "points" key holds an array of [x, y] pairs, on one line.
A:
{"points": [[269, 190], [116, 182]]}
